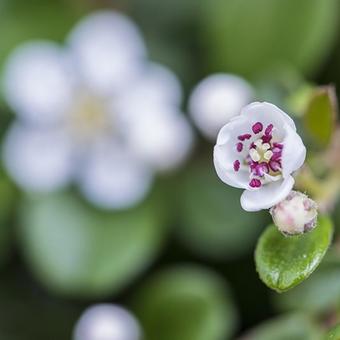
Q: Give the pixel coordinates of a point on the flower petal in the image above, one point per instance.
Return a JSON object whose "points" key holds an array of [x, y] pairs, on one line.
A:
{"points": [[107, 48], [111, 178], [38, 81], [225, 154], [216, 99], [224, 168], [155, 85], [107, 321], [266, 196], [267, 113], [38, 160], [161, 136], [293, 153]]}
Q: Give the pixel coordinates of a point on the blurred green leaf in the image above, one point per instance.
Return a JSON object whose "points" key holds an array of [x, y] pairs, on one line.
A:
{"points": [[185, 303], [320, 116], [23, 20], [320, 293], [334, 333], [7, 196], [283, 262], [75, 250], [250, 37], [287, 327], [213, 223]]}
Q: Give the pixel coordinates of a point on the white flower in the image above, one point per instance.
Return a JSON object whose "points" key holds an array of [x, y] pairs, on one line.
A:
{"points": [[107, 322], [216, 99], [96, 112], [258, 151], [296, 214]]}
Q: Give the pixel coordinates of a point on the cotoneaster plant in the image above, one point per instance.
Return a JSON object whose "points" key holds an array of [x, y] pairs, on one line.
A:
{"points": [[260, 151]]}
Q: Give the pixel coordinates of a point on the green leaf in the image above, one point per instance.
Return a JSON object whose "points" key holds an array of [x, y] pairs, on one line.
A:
{"points": [[319, 118], [283, 262], [213, 224], [75, 250], [319, 294], [251, 37], [185, 303], [334, 333], [293, 326], [38, 19]]}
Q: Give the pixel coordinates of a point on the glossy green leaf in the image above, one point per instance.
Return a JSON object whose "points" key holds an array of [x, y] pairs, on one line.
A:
{"points": [[283, 262], [75, 250], [320, 115], [287, 327], [334, 333], [213, 223], [319, 294], [185, 303], [250, 37]]}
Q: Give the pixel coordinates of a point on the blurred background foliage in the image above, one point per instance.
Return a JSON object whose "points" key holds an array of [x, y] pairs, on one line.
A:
{"points": [[183, 259]]}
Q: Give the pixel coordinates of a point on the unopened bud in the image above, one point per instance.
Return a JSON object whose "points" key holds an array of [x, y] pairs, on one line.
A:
{"points": [[296, 214]]}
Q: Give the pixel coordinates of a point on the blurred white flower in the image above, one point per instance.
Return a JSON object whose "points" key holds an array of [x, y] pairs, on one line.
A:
{"points": [[96, 112], [258, 151], [107, 322], [216, 99]]}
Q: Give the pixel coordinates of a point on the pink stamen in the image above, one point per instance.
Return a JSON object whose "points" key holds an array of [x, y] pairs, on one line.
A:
{"points": [[255, 183], [261, 169], [257, 127], [257, 170], [275, 165], [239, 147], [242, 138], [278, 145], [276, 156], [269, 129], [237, 165]]}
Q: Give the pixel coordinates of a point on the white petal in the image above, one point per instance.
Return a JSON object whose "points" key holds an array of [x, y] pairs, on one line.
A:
{"points": [[38, 160], [38, 81], [113, 179], [223, 162], [293, 153], [225, 154], [229, 132], [161, 136], [216, 99], [107, 48], [266, 196], [155, 85], [267, 113], [107, 322]]}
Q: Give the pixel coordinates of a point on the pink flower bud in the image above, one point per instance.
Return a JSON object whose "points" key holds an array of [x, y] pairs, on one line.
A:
{"points": [[296, 214]]}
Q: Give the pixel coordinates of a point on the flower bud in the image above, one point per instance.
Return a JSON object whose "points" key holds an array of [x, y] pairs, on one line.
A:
{"points": [[296, 214]]}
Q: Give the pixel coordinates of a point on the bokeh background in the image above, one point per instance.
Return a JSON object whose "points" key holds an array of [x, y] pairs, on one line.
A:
{"points": [[180, 259]]}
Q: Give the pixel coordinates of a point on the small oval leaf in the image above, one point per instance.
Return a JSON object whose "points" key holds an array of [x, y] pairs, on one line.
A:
{"points": [[78, 251], [283, 262], [320, 115], [185, 302]]}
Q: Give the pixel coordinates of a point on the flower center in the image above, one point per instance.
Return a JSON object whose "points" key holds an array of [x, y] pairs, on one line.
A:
{"points": [[261, 155], [88, 118]]}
